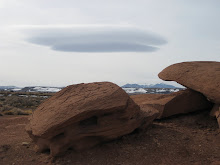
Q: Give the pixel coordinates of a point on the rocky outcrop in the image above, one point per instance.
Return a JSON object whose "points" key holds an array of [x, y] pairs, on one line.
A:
{"points": [[181, 102], [202, 76], [84, 115]]}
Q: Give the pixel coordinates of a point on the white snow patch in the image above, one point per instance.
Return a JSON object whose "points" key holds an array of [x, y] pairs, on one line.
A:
{"points": [[16, 89], [160, 90], [174, 90], [23, 95], [134, 90], [141, 90], [46, 89]]}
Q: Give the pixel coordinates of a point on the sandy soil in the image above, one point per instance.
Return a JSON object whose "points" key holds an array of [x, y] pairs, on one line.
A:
{"points": [[187, 139]]}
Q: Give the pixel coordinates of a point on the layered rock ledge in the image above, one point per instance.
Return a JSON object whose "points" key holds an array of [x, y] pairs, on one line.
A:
{"points": [[181, 102]]}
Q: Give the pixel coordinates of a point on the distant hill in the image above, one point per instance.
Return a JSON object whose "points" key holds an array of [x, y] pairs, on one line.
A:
{"points": [[7, 87], [133, 86], [56, 89], [41, 89], [30, 89], [160, 85]]}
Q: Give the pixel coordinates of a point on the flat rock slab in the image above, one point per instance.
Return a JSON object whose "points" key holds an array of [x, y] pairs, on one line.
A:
{"points": [[181, 102], [201, 76], [84, 115]]}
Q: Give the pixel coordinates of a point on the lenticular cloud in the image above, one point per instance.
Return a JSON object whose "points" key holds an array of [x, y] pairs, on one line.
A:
{"points": [[94, 38]]}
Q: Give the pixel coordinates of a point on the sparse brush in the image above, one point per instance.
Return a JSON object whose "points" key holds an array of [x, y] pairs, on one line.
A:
{"points": [[22, 102], [10, 112], [15, 103], [16, 111], [6, 108], [24, 112]]}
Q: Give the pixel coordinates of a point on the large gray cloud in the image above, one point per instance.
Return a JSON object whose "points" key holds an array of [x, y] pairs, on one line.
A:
{"points": [[94, 38]]}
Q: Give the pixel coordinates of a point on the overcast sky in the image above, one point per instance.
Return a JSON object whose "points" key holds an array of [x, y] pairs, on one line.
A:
{"points": [[63, 42]]}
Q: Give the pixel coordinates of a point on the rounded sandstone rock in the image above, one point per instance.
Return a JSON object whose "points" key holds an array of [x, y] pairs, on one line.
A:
{"points": [[201, 76], [81, 116]]}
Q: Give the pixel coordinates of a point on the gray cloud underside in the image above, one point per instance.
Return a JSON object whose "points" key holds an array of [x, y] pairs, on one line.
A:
{"points": [[95, 39], [104, 47]]}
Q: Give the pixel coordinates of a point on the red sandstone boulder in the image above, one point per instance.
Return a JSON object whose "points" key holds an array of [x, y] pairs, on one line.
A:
{"points": [[181, 102], [202, 76], [81, 116]]}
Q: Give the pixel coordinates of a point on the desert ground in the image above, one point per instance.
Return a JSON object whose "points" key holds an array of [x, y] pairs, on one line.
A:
{"points": [[183, 139]]}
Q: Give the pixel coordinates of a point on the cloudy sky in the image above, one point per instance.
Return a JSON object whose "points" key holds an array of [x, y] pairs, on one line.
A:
{"points": [[62, 42]]}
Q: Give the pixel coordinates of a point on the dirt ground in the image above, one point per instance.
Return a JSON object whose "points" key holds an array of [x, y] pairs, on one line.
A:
{"points": [[187, 139]]}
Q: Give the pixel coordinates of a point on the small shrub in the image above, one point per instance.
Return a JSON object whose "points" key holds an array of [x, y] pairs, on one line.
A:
{"points": [[17, 111], [2, 99], [24, 112], [10, 112], [6, 108]]}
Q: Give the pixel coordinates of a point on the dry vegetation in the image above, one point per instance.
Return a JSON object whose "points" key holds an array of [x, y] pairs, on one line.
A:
{"points": [[17, 103]]}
